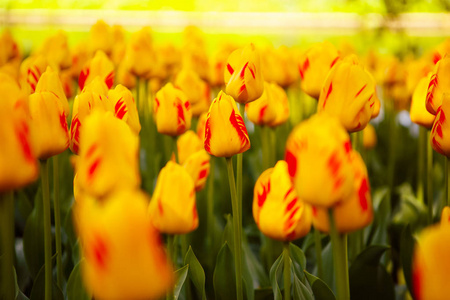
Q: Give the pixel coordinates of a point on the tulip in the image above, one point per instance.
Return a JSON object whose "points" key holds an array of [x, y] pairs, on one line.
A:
{"points": [[125, 77], [243, 75], [140, 56], [201, 126], [445, 216], [197, 165], [80, 57], [353, 213], [123, 254], [32, 69], [348, 93], [196, 90], [187, 144], [100, 37], [9, 50], [108, 153], [438, 85], [125, 107], [172, 111], [217, 64], [314, 66], [318, 157], [101, 66], [418, 112], [277, 209], [431, 264], [50, 82], [272, 109], [369, 137], [416, 71], [56, 50], [173, 209], [278, 66], [119, 44], [441, 128], [225, 136]]}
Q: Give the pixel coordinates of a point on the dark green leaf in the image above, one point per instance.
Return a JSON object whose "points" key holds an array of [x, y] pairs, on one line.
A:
{"points": [[180, 275], [196, 272], [298, 257], [264, 294], [320, 289], [328, 264], [376, 233], [301, 290], [275, 275], [224, 277], [38, 290], [75, 287], [407, 243]]}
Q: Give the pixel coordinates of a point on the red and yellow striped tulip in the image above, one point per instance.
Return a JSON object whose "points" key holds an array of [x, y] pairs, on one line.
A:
{"points": [[32, 68], [9, 50], [441, 128], [172, 111], [277, 209], [418, 112], [51, 82], [197, 165], [56, 49], [125, 107], [173, 209], [439, 85], [243, 75], [140, 56], [225, 131], [187, 144], [101, 66], [196, 90], [201, 126]]}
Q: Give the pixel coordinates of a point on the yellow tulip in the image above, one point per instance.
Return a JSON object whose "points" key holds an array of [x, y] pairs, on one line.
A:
{"points": [[416, 71], [431, 264], [196, 90], [100, 37], [56, 50], [354, 212], [441, 128], [418, 112], [445, 216], [172, 111], [140, 56], [217, 64], [277, 209], [314, 66], [369, 137], [318, 156], [243, 75], [122, 251], [32, 69], [173, 209], [125, 77], [51, 82], [125, 107], [348, 93], [9, 50], [278, 66], [439, 85], [225, 131], [197, 165], [80, 57], [187, 144], [101, 66], [201, 123], [108, 155], [194, 57]]}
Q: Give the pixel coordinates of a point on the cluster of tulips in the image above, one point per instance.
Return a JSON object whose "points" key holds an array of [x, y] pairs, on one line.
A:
{"points": [[130, 99]]}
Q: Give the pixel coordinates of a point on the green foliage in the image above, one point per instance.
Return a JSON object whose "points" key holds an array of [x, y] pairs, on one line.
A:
{"points": [[180, 275], [196, 273], [75, 287], [320, 289]]}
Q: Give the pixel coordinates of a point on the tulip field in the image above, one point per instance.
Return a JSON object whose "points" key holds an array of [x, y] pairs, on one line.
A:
{"points": [[135, 168]]}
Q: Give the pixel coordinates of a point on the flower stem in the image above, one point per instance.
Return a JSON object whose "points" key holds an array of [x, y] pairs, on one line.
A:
{"points": [[237, 230], [57, 212], [171, 259], [7, 241], [318, 246], [47, 230], [447, 183], [175, 149], [421, 162], [287, 271], [339, 244], [429, 179], [239, 174], [210, 206]]}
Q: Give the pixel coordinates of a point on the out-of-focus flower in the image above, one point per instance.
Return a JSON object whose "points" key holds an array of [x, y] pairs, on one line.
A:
{"points": [[121, 248], [225, 131], [125, 77], [418, 111], [353, 213], [173, 209], [18, 164], [439, 85], [125, 107], [314, 66], [32, 69], [108, 155], [441, 128], [201, 126], [217, 63], [243, 75], [50, 82], [119, 44], [188, 143], [80, 57], [348, 93], [445, 216], [100, 37], [196, 90], [100, 66], [277, 209], [431, 264], [346, 48], [271, 109], [369, 137], [416, 71], [172, 111], [9, 49], [56, 50], [278, 66], [140, 57], [169, 57], [318, 157], [197, 165]]}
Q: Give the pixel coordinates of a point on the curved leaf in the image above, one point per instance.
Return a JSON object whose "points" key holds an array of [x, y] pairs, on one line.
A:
{"points": [[320, 289], [275, 275], [407, 243], [224, 278], [180, 275], [196, 272], [75, 287], [38, 290]]}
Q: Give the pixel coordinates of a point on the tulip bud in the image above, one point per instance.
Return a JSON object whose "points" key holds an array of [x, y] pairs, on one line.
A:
{"points": [[125, 77], [431, 264], [418, 112], [101, 66], [125, 107], [348, 93], [100, 37], [108, 153], [201, 126], [217, 64], [314, 66], [50, 82], [140, 56], [356, 211], [225, 131], [9, 50], [243, 75], [197, 165], [32, 69], [438, 85], [173, 209], [196, 90], [318, 157], [369, 137], [187, 144], [172, 111], [56, 50], [122, 251], [80, 57], [271, 109], [441, 128], [445, 216], [277, 209]]}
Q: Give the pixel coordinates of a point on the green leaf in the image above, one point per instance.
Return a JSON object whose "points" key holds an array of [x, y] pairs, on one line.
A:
{"points": [[320, 289], [224, 278], [298, 257], [75, 287], [368, 278], [301, 290], [275, 275], [180, 275], [328, 263], [38, 290], [407, 243], [379, 228], [196, 272], [264, 294]]}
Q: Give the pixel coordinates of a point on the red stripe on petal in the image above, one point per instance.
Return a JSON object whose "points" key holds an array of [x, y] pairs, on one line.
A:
{"points": [[93, 168], [109, 80], [207, 141], [334, 61], [291, 160], [239, 125], [362, 194], [82, 79], [360, 91], [243, 70], [230, 69]]}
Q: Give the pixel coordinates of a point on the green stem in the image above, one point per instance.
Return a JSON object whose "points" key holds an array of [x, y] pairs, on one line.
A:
{"points": [[184, 245], [447, 183], [175, 149], [265, 148], [272, 147], [210, 206], [175, 250], [339, 244], [239, 173], [47, 230], [138, 100], [318, 246], [429, 179], [421, 162], [170, 237], [287, 271], [7, 242], [237, 230], [57, 213]]}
